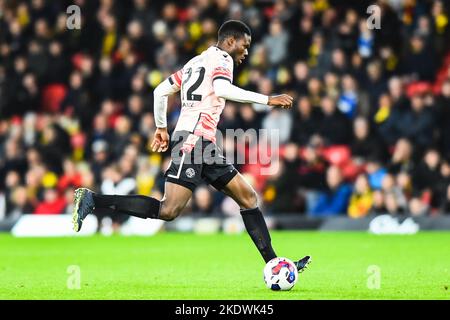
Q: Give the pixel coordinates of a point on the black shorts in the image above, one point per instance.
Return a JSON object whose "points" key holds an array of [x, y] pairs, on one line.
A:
{"points": [[195, 160]]}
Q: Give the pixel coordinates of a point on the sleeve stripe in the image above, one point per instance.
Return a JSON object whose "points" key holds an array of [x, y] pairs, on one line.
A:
{"points": [[228, 74], [171, 81], [177, 77], [224, 78]]}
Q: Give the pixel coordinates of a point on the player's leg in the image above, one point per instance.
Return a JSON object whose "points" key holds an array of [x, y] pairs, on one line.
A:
{"points": [[174, 200], [245, 196], [224, 177], [178, 190]]}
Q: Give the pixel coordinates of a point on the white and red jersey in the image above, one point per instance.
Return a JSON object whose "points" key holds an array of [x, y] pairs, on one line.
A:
{"points": [[200, 107]]}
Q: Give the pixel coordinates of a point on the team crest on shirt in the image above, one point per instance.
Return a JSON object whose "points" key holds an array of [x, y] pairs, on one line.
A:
{"points": [[190, 173]]}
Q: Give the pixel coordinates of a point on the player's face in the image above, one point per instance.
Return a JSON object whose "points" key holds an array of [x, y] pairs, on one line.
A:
{"points": [[241, 47]]}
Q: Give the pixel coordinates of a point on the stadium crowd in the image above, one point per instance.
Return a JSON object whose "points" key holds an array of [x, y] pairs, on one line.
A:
{"points": [[369, 131]]}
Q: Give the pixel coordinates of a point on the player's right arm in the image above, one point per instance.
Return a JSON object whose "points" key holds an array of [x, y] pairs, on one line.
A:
{"points": [[161, 93]]}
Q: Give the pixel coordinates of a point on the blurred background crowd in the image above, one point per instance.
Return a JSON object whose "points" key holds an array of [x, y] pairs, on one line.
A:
{"points": [[369, 131]]}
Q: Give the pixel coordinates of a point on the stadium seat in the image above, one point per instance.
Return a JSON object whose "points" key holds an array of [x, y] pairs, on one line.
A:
{"points": [[351, 170], [52, 96], [419, 87], [338, 155]]}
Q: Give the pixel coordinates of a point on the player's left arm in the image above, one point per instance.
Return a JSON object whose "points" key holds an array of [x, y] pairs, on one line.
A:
{"points": [[225, 89], [161, 94], [222, 77]]}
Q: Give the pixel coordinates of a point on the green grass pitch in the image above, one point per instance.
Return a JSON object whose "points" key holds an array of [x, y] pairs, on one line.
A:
{"points": [[188, 266]]}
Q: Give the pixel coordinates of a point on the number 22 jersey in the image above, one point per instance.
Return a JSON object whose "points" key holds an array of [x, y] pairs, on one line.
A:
{"points": [[200, 107]]}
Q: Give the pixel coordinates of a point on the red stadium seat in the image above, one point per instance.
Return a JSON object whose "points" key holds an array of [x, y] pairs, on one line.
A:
{"points": [[420, 87], [351, 170], [338, 155], [52, 96]]}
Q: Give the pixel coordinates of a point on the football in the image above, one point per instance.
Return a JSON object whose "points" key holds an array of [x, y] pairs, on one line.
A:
{"points": [[280, 274]]}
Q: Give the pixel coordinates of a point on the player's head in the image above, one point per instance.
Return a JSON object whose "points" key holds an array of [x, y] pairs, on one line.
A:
{"points": [[235, 37]]}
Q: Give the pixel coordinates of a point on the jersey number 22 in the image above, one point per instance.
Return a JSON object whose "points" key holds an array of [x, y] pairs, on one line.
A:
{"points": [[190, 95]]}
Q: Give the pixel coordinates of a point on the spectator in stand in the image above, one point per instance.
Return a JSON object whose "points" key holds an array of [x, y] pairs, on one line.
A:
{"points": [[301, 73], [339, 63], [390, 111], [302, 34], [33, 183], [378, 203], [100, 159], [335, 200], [54, 146], [134, 111], [76, 101], [105, 85], [281, 192], [419, 62], [12, 182], [402, 158], [417, 123], [101, 130], [58, 70], [443, 117], [3, 85], [350, 99], [229, 118], [396, 88], [306, 121], [366, 145], [391, 204], [52, 203], [202, 202], [276, 43], [427, 175], [375, 172], [68, 197], [418, 207], [280, 121], [248, 117], [264, 86], [121, 136], [312, 174], [319, 58], [389, 185], [443, 182], [11, 159], [87, 178], [315, 92], [331, 86], [383, 119], [19, 203], [404, 182], [70, 177], [361, 199], [376, 85], [334, 127], [445, 207], [116, 180]]}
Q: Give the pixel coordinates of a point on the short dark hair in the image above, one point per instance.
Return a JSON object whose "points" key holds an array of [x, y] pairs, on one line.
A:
{"points": [[233, 28]]}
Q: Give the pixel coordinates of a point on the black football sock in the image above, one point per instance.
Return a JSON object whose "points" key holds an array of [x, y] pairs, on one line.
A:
{"points": [[257, 229], [135, 205]]}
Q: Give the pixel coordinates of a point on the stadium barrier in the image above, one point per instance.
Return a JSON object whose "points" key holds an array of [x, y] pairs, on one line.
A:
{"points": [[30, 225], [61, 225]]}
